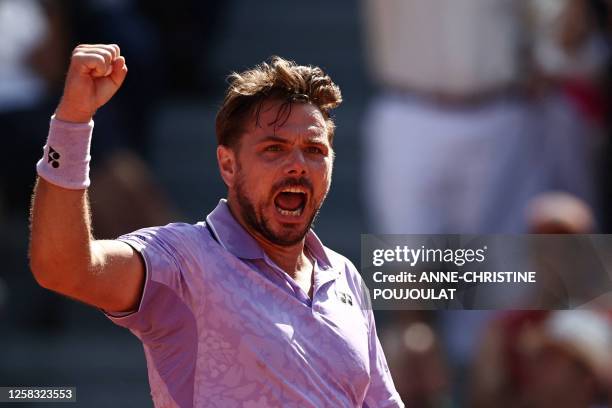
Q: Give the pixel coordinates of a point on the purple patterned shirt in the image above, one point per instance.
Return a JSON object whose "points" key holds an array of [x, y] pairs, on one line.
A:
{"points": [[223, 326]]}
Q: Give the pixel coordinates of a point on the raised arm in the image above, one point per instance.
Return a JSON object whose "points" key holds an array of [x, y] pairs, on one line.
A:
{"points": [[64, 257]]}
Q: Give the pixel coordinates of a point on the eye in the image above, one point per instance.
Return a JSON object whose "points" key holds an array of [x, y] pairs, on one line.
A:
{"points": [[273, 148], [314, 150]]}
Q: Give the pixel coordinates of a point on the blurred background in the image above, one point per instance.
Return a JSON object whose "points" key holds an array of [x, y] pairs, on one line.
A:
{"points": [[460, 116]]}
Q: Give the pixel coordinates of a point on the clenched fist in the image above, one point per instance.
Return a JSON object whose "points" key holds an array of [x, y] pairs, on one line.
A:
{"points": [[96, 72]]}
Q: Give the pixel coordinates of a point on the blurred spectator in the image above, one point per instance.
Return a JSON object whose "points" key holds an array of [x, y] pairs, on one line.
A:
{"points": [[569, 55], [543, 358], [569, 361], [559, 359], [570, 51], [31, 62], [417, 361], [31, 68], [603, 14], [457, 141], [445, 135], [453, 143], [560, 261], [498, 365], [20, 84], [557, 212]]}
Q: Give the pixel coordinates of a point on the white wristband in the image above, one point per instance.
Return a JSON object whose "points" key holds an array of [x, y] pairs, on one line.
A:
{"points": [[66, 158]]}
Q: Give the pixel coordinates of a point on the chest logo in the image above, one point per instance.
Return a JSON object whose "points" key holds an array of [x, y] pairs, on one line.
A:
{"points": [[345, 298]]}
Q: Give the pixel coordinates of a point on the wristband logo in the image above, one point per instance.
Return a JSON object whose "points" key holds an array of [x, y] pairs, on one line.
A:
{"points": [[53, 158]]}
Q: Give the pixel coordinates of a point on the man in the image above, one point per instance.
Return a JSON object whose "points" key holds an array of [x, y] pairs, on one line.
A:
{"points": [[248, 308]]}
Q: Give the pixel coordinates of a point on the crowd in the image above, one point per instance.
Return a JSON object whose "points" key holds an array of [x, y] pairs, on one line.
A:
{"points": [[492, 117]]}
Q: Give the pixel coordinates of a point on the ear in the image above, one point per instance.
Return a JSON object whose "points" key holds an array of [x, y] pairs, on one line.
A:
{"points": [[226, 158]]}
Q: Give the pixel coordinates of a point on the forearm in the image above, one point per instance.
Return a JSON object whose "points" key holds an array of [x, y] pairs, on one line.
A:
{"points": [[64, 257], [60, 241]]}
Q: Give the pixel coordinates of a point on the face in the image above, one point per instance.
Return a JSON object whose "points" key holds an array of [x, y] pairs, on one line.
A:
{"points": [[280, 174]]}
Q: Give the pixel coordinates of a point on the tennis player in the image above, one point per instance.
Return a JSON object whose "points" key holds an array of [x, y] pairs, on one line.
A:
{"points": [[246, 308]]}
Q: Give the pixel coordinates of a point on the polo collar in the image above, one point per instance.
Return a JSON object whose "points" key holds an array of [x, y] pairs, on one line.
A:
{"points": [[233, 237]]}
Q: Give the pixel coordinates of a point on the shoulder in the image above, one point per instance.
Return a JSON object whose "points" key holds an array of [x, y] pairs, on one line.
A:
{"points": [[175, 230], [171, 236], [172, 246]]}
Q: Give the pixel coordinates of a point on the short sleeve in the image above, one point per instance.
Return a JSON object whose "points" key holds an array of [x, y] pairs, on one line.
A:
{"points": [[160, 298], [381, 391]]}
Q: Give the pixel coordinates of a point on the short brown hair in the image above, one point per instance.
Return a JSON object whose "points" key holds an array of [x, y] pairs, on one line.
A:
{"points": [[278, 80]]}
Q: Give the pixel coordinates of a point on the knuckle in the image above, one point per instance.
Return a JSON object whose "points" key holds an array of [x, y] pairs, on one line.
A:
{"points": [[107, 55], [80, 47], [78, 57]]}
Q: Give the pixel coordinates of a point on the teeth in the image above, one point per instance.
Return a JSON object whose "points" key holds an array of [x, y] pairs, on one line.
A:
{"points": [[294, 190], [294, 213]]}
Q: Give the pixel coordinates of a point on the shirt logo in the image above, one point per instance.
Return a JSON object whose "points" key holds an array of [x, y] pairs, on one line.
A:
{"points": [[53, 158], [345, 298]]}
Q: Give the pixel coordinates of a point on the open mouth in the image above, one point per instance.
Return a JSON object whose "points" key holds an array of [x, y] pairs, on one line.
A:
{"points": [[291, 201]]}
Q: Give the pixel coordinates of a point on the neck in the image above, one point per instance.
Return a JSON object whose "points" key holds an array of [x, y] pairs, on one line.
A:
{"points": [[290, 259]]}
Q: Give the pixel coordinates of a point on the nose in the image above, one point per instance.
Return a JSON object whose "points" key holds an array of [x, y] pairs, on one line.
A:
{"points": [[296, 163]]}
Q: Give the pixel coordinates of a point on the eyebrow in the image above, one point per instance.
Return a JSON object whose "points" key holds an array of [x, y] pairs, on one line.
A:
{"points": [[315, 140], [273, 138]]}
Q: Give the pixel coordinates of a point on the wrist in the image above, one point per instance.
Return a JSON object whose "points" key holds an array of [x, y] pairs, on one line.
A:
{"points": [[66, 157], [72, 116]]}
